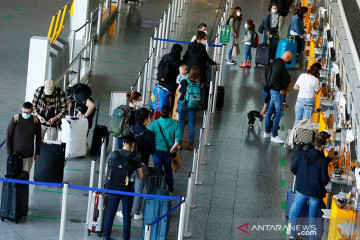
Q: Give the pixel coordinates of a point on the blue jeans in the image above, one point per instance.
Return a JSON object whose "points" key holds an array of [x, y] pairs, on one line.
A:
{"points": [[120, 143], [265, 93], [182, 110], [303, 109], [114, 201], [296, 208], [276, 105], [247, 51], [163, 158], [230, 47], [139, 188], [273, 44]]}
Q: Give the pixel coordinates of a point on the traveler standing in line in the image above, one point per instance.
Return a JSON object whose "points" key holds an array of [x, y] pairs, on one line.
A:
{"points": [[235, 23], [284, 8], [123, 157], [23, 130], [249, 34], [203, 28], [328, 147], [81, 95], [134, 99], [145, 145], [312, 176], [297, 30], [188, 103], [172, 136], [49, 107], [270, 29], [308, 86], [279, 81]]}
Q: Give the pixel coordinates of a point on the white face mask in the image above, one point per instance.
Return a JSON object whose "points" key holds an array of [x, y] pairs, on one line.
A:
{"points": [[238, 14], [205, 32], [274, 11], [246, 26]]}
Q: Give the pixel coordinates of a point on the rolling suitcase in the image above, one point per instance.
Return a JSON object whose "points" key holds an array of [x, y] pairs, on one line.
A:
{"points": [[98, 212], [100, 131], [156, 179], [262, 54], [74, 134], [15, 199], [154, 209], [287, 45], [220, 98], [51, 162]]}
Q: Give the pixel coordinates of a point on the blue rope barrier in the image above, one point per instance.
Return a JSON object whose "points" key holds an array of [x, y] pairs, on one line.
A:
{"points": [[11, 180], [2, 144], [95, 13], [125, 193], [168, 213], [183, 42]]}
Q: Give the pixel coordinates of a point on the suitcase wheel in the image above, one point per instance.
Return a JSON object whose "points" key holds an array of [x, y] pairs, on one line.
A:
{"points": [[89, 232], [2, 219], [100, 234]]}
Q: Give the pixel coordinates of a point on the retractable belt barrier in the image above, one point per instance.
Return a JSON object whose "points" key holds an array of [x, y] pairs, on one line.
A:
{"points": [[184, 42], [2, 144]]}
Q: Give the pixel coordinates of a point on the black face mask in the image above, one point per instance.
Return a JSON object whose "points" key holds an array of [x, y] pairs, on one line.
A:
{"points": [[288, 62]]}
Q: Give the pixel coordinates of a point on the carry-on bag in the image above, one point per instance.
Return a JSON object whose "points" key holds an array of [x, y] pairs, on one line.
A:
{"points": [[160, 97], [98, 212], [51, 162], [155, 208], [287, 45], [156, 178], [262, 54], [175, 114], [15, 199], [100, 131], [14, 165], [74, 134], [220, 98]]}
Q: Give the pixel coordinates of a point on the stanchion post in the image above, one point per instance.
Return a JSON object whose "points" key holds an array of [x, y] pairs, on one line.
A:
{"points": [[90, 27], [63, 211], [102, 163], [91, 53], [163, 33], [187, 234], [208, 116], [99, 22], [197, 172], [168, 23], [114, 144], [139, 82], [216, 85], [181, 220], [147, 232], [173, 18], [73, 34], [178, 14], [91, 184], [158, 45], [78, 70], [118, 5], [193, 205], [151, 70], [145, 82]]}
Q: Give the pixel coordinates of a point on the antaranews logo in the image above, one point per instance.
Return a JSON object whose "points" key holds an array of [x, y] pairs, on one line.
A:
{"points": [[301, 230]]}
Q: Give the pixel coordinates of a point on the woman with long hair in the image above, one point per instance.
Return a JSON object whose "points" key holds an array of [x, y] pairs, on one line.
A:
{"points": [[235, 23]]}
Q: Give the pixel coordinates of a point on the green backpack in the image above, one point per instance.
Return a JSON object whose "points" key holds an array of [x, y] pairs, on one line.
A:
{"points": [[119, 120], [192, 96]]}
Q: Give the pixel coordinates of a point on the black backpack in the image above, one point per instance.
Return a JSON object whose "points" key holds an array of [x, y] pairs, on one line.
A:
{"points": [[82, 88], [266, 75], [138, 143], [228, 21], [163, 70], [119, 173]]}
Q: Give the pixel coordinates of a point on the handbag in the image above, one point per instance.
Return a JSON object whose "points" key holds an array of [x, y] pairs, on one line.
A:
{"points": [[236, 49], [174, 157]]}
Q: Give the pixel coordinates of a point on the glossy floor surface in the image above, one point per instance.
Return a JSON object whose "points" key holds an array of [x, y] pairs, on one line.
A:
{"points": [[246, 177]]}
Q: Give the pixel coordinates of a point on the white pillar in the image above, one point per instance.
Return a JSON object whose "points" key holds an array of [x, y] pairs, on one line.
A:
{"points": [[80, 16], [63, 211]]}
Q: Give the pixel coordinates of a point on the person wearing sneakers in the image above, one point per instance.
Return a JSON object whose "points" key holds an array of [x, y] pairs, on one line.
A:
{"points": [[311, 171], [249, 34], [235, 23], [279, 81], [145, 145], [297, 30], [167, 132]]}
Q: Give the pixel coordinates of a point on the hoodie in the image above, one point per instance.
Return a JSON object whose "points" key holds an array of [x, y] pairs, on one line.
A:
{"points": [[196, 55], [172, 132], [168, 71], [147, 142], [311, 171]]}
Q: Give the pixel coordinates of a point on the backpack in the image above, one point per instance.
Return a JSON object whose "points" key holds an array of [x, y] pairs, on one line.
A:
{"points": [[266, 75], [119, 173], [138, 138], [159, 97], [255, 40], [119, 120], [163, 70], [82, 88], [228, 21], [192, 96]]}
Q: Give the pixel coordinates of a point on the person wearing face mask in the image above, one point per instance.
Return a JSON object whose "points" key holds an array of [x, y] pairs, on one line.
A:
{"points": [[235, 23], [297, 29], [249, 34], [23, 130], [270, 29], [279, 81], [49, 106], [328, 146], [203, 28], [284, 8], [312, 176]]}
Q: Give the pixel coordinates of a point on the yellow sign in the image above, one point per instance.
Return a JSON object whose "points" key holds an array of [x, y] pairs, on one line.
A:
{"points": [[54, 32]]}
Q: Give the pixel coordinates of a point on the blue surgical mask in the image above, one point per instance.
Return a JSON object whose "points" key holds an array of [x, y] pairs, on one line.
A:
{"points": [[25, 115]]}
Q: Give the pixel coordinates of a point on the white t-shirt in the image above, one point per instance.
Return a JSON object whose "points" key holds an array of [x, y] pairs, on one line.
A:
{"points": [[308, 86]]}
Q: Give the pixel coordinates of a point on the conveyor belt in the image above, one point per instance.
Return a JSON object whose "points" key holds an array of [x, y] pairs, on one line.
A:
{"points": [[352, 13]]}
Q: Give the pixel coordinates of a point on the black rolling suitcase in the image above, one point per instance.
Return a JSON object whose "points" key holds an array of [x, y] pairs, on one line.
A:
{"points": [[51, 162], [15, 199], [220, 98], [156, 179], [262, 54], [100, 131]]}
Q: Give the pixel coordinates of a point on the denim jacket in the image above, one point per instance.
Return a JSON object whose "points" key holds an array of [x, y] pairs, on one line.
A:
{"points": [[297, 25]]}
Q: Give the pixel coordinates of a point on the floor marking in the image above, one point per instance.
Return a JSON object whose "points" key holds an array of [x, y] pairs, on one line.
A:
{"points": [[282, 127], [283, 205], [18, 9], [283, 145], [91, 130], [282, 162], [7, 17], [51, 191], [283, 183], [283, 232], [51, 218], [115, 225], [124, 75], [72, 169], [112, 62]]}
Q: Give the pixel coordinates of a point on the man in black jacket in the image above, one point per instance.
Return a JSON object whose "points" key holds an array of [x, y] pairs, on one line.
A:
{"points": [[312, 176]]}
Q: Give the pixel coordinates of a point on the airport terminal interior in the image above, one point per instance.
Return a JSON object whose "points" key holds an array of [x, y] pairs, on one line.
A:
{"points": [[236, 184]]}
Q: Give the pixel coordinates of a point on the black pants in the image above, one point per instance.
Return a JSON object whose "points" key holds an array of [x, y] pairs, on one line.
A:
{"points": [[299, 46]]}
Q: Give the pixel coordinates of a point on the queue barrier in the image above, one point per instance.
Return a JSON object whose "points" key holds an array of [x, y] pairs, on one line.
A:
{"points": [[184, 42]]}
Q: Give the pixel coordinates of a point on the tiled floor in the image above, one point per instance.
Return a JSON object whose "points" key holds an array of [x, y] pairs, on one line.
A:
{"points": [[246, 177]]}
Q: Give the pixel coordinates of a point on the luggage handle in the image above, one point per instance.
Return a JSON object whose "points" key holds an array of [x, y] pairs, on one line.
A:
{"points": [[292, 38], [293, 188]]}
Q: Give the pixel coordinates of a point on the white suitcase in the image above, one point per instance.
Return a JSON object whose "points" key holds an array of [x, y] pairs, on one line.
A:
{"points": [[74, 134], [98, 212]]}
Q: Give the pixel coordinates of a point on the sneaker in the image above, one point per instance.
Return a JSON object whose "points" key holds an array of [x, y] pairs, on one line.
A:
{"points": [[267, 135], [138, 216], [172, 191], [277, 139], [119, 214], [244, 64], [249, 64], [230, 62]]}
